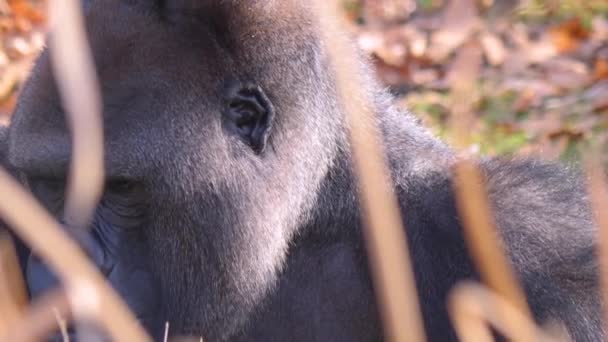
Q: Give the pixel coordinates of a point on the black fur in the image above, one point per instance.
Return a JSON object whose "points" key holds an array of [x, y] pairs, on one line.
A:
{"points": [[254, 234]]}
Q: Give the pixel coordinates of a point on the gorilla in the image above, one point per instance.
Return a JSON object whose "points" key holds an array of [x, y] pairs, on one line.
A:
{"points": [[230, 207]]}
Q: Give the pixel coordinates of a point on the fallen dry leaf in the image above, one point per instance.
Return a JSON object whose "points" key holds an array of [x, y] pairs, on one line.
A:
{"points": [[600, 66], [493, 48], [459, 21], [379, 12], [33, 11], [568, 35], [598, 96], [567, 73]]}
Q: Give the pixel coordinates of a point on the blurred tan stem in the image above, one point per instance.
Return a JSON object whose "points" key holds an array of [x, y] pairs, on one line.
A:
{"points": [[75, 75], [384, 234], [13, 297], [40, 319], [481, 235], [599, 203], [474, 309], [44, 235], [485, 245]]}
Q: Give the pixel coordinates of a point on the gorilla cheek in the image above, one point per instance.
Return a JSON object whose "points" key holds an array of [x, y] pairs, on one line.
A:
{"points": [[141, 291]]}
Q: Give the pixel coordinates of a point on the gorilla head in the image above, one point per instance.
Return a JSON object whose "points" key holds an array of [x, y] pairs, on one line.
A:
{"points": [[219, 127], [230, 208]]}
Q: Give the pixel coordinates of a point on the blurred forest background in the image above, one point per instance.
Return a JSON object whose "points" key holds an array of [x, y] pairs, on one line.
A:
{"points": [[539, 67]]}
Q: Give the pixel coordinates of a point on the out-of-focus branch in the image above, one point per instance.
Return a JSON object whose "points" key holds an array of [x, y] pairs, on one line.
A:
{"points": [[474, 309], [89, 295], [74, 70], [385, 236], [599, 203], [40, 319], [13, 299], [484, 243], [44, 235], [482, 238]]}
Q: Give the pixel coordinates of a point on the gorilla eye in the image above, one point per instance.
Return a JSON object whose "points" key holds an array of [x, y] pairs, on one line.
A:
{"points": [[121, 187], [249, 114]]}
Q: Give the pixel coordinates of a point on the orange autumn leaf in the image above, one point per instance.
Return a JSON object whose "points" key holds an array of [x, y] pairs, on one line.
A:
{"points": [[600, 69], [25, 9], [568, 35]]}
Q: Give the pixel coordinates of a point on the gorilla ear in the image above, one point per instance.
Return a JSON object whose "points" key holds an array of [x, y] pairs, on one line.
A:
{"points": [[248, 113]]}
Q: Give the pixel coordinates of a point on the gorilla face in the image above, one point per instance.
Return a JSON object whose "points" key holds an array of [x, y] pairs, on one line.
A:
{"points": [[204, 102]]}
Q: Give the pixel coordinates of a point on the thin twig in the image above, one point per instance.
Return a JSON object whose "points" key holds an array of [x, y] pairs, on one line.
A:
{"points": [[75, 73], [13, 297], [166, 336], [483, 241], [62, 323], [599, 202], [384, 233], [40, 318], [479, 227], [44, 235], [474, 309]]}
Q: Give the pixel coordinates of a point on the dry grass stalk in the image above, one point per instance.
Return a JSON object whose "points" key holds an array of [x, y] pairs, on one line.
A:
{"points": [[40, 318], [44, 235], [166, 335], [484, 243], [13, 298], [80, 94], [599, 202], [74, 67], [62, 323], [79, 89], [474, 309], [385, 236], [480, 231]]}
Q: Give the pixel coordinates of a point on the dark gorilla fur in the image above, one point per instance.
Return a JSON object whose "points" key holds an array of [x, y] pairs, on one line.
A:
{"points": [[231, 209]]}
